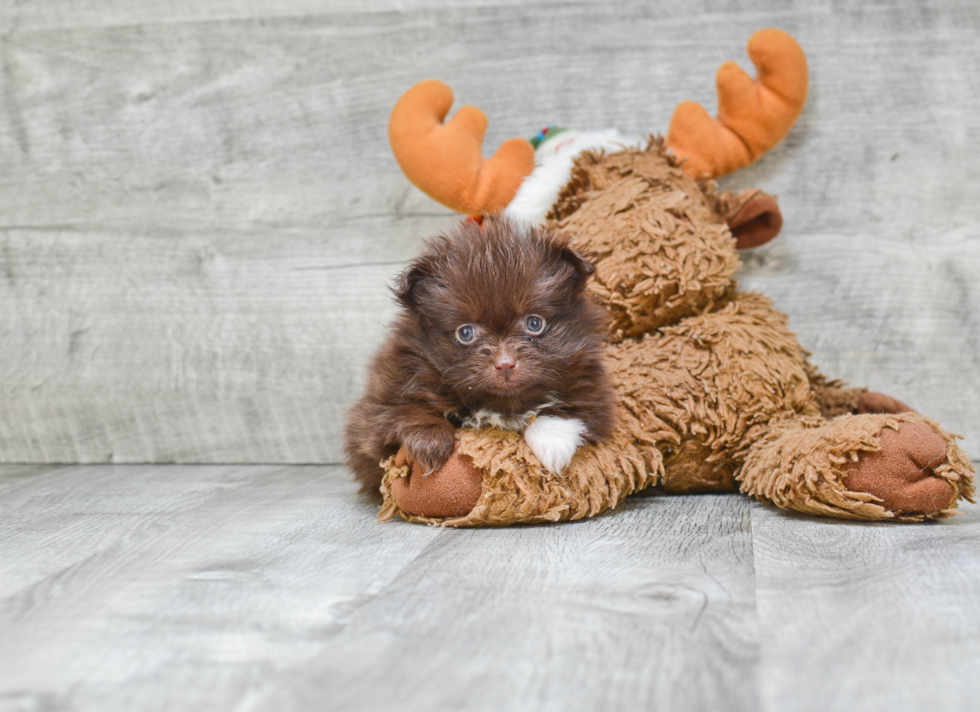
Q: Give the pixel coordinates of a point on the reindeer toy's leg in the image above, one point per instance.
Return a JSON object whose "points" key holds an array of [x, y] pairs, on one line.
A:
{"points": [[883, 462], [735, 385]]}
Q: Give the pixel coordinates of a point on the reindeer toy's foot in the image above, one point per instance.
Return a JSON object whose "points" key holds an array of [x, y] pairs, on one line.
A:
{"points": [[900, 467], [449, 492], [902, 475]]}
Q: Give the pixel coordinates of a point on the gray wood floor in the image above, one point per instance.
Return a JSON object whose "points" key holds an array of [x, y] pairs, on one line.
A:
{"points": [[272, 588]]}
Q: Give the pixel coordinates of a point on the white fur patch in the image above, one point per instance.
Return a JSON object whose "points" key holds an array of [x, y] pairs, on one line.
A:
{"points": [[553, 169], [554, 440]]}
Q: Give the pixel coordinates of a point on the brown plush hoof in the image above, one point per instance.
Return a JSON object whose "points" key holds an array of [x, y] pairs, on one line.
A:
{"points": [[757, 222], [451, 491], [901, 472], [880, 403]]}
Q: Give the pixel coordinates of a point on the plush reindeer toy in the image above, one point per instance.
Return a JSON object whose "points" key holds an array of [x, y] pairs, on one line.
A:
{"points": [[712, 391]]}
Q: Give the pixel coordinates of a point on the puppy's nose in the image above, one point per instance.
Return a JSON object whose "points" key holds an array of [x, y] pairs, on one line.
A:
{"points": [[505, 364]]}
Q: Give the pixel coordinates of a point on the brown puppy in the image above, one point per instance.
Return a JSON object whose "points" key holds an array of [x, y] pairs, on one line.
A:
{"points": [[495, 330]]}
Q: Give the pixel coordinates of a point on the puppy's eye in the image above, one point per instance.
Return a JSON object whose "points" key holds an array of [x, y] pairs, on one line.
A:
{"points": [[465, 334], [534, 325]]}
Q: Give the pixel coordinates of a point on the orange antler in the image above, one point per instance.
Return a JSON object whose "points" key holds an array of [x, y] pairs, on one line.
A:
{"points": [[446, 161], [753, 116]]}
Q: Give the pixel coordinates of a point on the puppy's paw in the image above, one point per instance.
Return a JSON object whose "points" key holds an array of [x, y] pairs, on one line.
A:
{"points": [[554, 440], [427, 449]]}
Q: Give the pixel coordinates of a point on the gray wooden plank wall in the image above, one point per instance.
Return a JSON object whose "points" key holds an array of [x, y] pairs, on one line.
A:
{"points": [[199, 211]]}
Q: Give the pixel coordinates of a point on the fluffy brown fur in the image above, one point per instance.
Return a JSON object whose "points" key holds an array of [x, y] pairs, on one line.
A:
{"points": [[430, 376]]}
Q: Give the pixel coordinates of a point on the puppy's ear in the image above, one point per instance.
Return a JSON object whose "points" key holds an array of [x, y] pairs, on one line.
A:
{"points": [[583, 268], [411, 281], [578, 261], [419, 281]]}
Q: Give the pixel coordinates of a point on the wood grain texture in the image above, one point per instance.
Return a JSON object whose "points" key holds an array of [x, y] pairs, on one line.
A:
{"points": [[199, 210], [71, 14], [260, 588], [613, 613], [224, 372], [900, 319], [179, 588], [867, 616]]}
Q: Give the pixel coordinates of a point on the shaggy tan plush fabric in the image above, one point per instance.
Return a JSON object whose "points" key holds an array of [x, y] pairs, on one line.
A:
{"points": [[517, 489], [715, 391], [661, 251]]}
